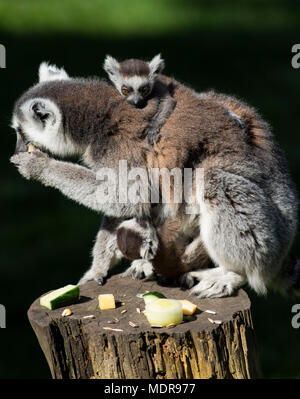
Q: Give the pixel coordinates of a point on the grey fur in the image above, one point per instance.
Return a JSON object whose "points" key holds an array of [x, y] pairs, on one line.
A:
{"points": [[105, 252], [166, 107], [248, 204]]}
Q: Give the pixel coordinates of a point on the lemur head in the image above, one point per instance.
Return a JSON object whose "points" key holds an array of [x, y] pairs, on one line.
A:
{"points": [[38, 119], [133, 78]]}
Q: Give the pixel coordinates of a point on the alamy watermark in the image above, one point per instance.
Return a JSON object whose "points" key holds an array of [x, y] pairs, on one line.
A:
{"points": [[2, 316], [153, 185], [296, 58], [2, 56], [296, 318]]}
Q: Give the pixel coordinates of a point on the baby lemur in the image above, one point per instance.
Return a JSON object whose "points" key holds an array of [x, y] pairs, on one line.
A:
{"points": [[137, 82]]}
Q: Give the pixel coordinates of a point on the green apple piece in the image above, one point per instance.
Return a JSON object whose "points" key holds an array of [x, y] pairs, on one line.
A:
{"points": [[61, 297], [163, 312]]}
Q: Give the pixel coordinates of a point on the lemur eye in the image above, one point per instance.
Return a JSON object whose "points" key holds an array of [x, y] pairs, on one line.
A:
{"points": [[125, 90], [145, 90]]}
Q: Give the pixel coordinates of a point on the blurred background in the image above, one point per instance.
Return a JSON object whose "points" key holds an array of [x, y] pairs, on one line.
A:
{"points": [[241, 48]]}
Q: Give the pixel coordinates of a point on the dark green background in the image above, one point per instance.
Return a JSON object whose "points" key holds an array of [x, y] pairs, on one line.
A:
{"points": [[241, 48]]}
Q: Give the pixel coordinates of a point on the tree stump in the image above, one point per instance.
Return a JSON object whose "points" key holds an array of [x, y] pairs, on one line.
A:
{"points": [[78, 347]]}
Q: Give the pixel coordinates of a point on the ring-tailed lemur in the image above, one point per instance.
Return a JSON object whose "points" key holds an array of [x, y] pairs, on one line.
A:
{"points": [[137, 82], [248, 205]]}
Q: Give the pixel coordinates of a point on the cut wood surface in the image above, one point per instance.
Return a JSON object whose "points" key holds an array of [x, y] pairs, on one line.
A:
{"points": [[79, 347]]}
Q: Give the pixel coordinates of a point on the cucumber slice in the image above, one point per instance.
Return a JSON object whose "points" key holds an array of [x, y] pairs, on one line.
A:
{"points": [[163, 312], [61, 297], [150, 297]]}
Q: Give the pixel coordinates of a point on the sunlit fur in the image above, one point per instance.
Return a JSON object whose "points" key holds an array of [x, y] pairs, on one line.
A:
{"points": [[51, 72]]}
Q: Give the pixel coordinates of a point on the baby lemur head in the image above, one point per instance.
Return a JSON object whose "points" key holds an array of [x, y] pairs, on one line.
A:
{"points": [[133, 78]]}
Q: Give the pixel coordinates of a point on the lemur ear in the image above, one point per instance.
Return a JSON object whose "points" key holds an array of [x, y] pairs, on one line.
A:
{"points": [[112, 67], [156, 65], [51, 72], [41, 111]]}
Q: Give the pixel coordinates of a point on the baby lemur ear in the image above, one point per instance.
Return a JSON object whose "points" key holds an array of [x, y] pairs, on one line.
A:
{"points": [[42, 111], [112, 67], [51, 72], [156, 65]]}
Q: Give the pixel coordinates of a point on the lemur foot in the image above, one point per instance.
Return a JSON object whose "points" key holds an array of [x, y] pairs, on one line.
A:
{"points": [[216, 283], [90, 276], [140, 268]]}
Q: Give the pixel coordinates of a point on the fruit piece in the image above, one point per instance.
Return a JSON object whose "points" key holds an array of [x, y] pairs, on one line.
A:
{"points": [[188, 308], [106, 301], [60, 297], [150, 297], [163, 312], [66, 312], [31, 148]]}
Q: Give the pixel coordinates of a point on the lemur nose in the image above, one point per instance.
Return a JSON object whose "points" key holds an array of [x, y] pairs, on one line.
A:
{"points": [[20, 144]]}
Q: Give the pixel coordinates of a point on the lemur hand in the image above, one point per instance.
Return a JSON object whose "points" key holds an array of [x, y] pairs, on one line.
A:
{"points": [[30, 165]]}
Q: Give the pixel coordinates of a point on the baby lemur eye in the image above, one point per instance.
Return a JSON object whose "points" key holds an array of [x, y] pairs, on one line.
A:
{"points": [[125, 90], [145, 90]]}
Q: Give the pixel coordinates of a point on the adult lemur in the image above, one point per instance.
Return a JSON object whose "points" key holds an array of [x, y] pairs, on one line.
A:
{"points": [[247, 203]]}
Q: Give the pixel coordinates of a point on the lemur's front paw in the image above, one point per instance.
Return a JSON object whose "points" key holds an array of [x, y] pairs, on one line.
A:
{"points": [[139, 269], [137, 240], [148, 248], [30, 165]]}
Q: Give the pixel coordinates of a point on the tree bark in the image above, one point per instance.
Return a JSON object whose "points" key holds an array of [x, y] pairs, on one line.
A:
{"points": [[78, 347]]}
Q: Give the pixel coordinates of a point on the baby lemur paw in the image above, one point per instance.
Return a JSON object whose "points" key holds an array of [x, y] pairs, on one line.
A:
{"points": [[148, 248], [139, 269], [137, 239], [152, 133]]}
